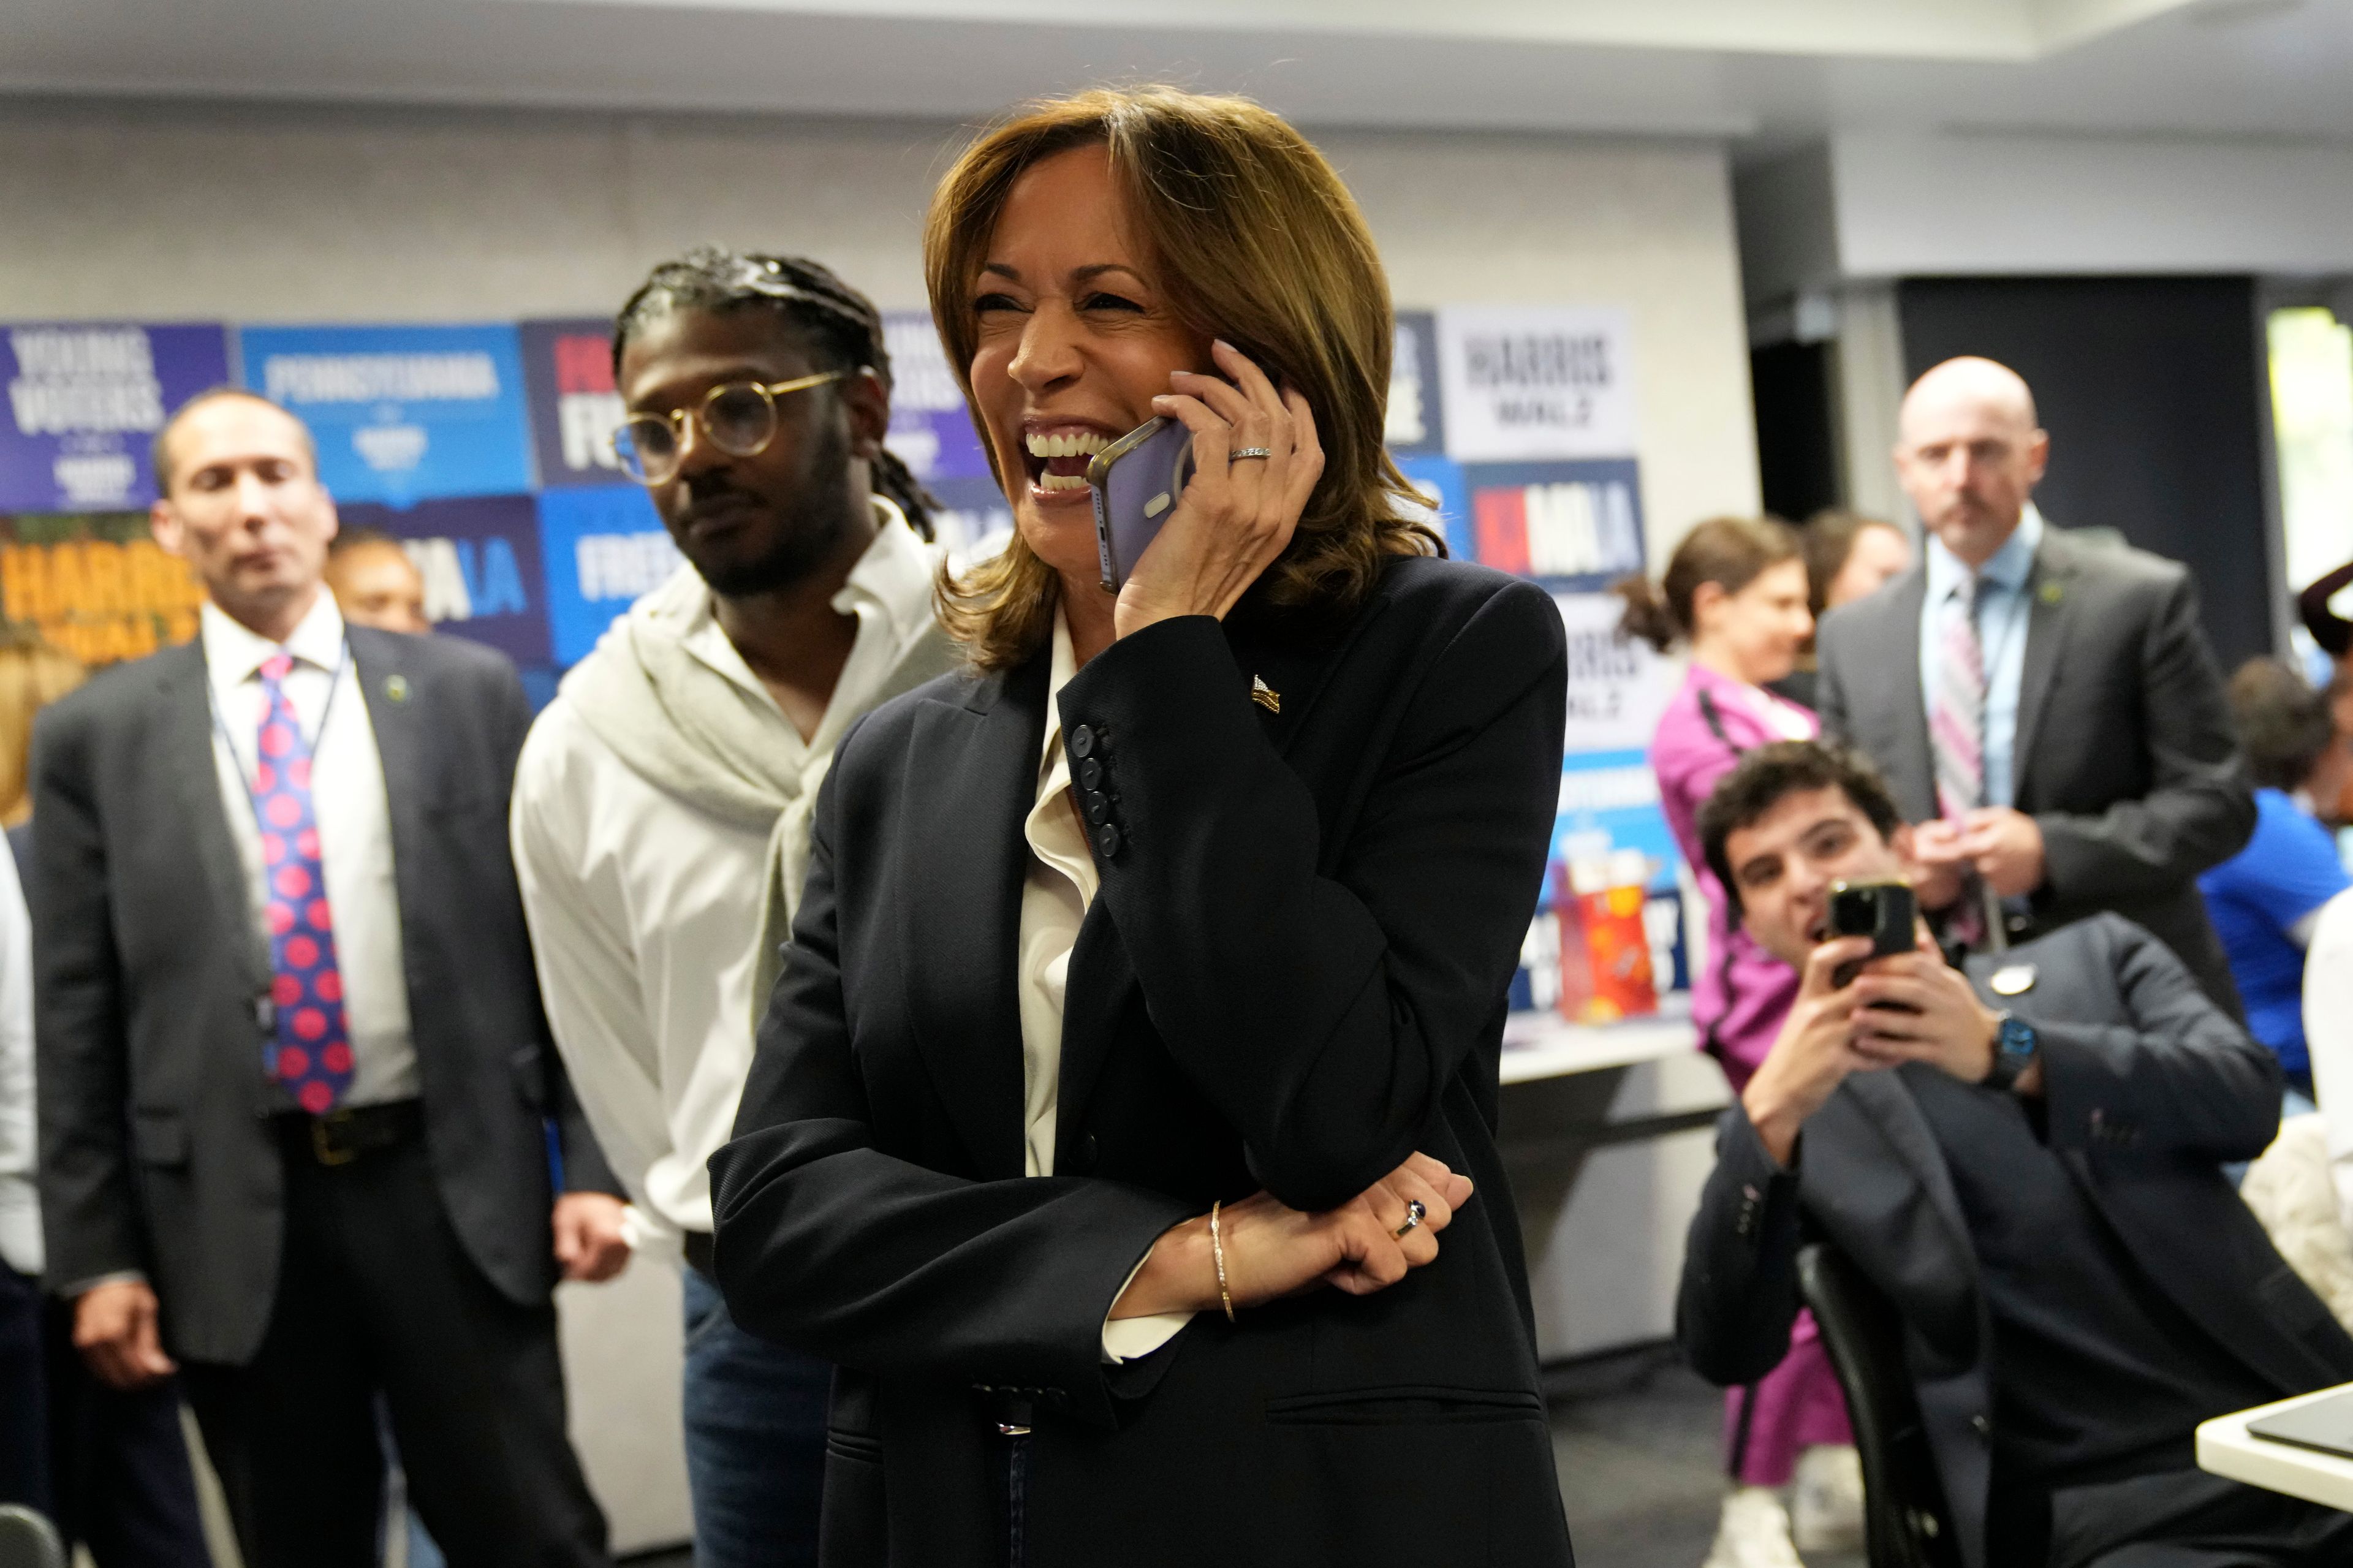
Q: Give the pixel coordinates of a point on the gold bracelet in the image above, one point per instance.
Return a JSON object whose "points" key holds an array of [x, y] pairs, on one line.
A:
{"points": [[1218, 1252]]}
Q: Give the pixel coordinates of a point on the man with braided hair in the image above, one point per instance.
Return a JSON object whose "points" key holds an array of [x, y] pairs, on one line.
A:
{"points": [[662, 804]]}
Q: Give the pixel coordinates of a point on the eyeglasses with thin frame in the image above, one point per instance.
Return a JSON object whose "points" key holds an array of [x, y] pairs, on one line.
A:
{"points": [[738, 417]]}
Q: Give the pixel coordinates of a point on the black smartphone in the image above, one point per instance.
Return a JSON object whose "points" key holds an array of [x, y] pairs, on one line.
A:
{"points": [[1884, 911]]}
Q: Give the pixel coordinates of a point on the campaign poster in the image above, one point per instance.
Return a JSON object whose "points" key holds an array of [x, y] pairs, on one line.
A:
{"points": [[1572, 526], [85, 400], [1416, 426], [1527, 383], [401, 415], [480, 561], [931, 429], [567, 369], [98, 586], [604, 549], [1440, 481]]}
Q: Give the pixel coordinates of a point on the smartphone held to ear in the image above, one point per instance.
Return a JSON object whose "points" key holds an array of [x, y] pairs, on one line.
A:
{"points": [[1137, 482], [1884, 911]]}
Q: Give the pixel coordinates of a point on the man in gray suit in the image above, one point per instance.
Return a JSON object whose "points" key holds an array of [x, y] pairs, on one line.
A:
{"points": [[2046, 708], [293, 1072]]}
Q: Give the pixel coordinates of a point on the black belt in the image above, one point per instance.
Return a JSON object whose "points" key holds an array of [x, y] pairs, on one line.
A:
{"points": [[698, 1254], [341, 1137]]}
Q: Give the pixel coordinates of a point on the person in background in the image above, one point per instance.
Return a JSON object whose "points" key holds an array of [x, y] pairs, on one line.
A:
{"points": [[661, 807], [1736, 590], [293, 1073], [2024, 1157], [374, 582], [2265, 900], [2048, 711], [110, 1467], [1848, 557], [33, 674]]}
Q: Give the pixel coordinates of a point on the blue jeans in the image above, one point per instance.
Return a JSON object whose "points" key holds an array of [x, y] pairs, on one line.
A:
{"points": [[755, 1415]]}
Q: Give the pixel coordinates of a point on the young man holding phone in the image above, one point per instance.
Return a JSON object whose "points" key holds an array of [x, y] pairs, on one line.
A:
{"points": [[2023, 1155]]}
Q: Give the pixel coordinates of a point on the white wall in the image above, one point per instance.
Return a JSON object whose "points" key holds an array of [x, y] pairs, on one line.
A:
{"points": [[294, 214]]}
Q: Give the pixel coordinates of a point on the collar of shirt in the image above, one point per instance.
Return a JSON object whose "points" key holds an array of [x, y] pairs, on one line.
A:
{"points": [[889, 590], [234, 653], [1051, 826], [2007, 569]]}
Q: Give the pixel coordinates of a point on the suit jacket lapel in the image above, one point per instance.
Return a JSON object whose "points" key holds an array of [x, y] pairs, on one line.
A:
{"points": [[1896, 1116], [379, 670], [192, 778], [962, 892], [2048, 603], [1284, 677]]}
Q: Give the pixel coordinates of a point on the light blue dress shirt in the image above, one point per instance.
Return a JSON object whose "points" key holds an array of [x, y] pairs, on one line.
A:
{"points": [[2002, 605]]}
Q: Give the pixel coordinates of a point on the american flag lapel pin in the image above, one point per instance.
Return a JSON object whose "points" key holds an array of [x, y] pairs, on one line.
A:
{"points": [[1265, 696]]}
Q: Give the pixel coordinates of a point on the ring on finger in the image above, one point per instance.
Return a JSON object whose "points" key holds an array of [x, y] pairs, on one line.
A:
{"points": [[1415, 1213], [1243, 454]]}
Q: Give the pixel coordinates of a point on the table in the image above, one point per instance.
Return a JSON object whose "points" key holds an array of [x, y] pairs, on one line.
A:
{"points": [[1545, 1045], [2225, 1447]]}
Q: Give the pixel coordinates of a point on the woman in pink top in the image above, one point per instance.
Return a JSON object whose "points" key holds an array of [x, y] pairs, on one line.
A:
{"points": [[1736, 590]]}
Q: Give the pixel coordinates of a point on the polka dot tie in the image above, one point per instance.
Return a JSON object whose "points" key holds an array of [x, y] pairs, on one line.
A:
{"points": [[312, 1054]]}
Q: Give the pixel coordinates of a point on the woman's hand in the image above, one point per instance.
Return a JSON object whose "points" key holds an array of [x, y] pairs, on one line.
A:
{"points": [[1273, 1251], [1235, 516]]}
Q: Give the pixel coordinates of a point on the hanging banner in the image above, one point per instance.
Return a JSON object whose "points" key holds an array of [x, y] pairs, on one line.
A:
{"points": [[480, 561], [1522, 383], [85, 401], [931, 430], [1416, 426], [98, 587], [401, 415], [604, 549], [568, 370]]}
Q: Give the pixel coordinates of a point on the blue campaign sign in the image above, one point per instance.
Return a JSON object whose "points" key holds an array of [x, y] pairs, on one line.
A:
{"points": [[1417, 414], [1441, 477], [604, 548], [568, 368], [85, 400], [931, 429], [479, 558], [1572, 524], [401, 413]]}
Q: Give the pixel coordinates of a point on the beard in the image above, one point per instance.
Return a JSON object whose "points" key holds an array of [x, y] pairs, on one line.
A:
{"points": [[803, 540]]}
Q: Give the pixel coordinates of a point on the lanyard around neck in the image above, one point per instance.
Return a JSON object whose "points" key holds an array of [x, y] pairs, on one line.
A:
{"points": [[318, 736]]}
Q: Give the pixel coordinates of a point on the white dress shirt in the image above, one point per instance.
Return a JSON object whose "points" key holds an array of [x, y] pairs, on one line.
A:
{"points": [[354, 817], [2003, 613], [645, 911], [1055, 895], [20, 1204], [2328, 1035]]}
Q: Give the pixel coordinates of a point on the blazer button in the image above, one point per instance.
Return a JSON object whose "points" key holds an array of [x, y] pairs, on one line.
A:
{"points": [[1091, 774], [1981, 1426], [1107, 839], [1082, 1156], [1098, 807], [1083, 743]]}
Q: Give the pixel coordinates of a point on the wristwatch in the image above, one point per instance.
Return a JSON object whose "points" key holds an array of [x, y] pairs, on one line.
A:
{"points": [[2014, 1045]]}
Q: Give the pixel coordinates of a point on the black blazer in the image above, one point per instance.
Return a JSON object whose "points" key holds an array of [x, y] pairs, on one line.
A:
{"points": [[1293, 976], [2149, 1088], [2125, 754], [154, 1153]]}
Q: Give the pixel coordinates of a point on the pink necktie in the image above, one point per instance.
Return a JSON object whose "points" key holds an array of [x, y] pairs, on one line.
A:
{"points": [[1956, 734]]}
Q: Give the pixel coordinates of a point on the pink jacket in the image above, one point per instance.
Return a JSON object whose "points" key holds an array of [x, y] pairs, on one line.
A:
{"points": [[1741, 994]]}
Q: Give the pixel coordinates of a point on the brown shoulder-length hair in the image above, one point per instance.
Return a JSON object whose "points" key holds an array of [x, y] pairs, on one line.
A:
{"points": [[1253, 239]]}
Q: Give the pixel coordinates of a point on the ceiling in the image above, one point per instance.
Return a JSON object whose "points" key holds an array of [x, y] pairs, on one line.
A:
{"points": [[1765, 73]]}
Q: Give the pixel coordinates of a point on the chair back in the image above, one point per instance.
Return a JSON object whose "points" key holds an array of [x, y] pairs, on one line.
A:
{"points": [[27, 1540], [1905, 1521]]}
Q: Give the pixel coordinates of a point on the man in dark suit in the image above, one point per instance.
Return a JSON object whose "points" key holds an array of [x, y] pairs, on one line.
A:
{"points": [[2022, 1156], [293, 1073], [2046, 708]]}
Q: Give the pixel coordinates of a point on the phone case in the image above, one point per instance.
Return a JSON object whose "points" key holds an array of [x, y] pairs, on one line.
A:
{"points": [[1137, 482]]}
